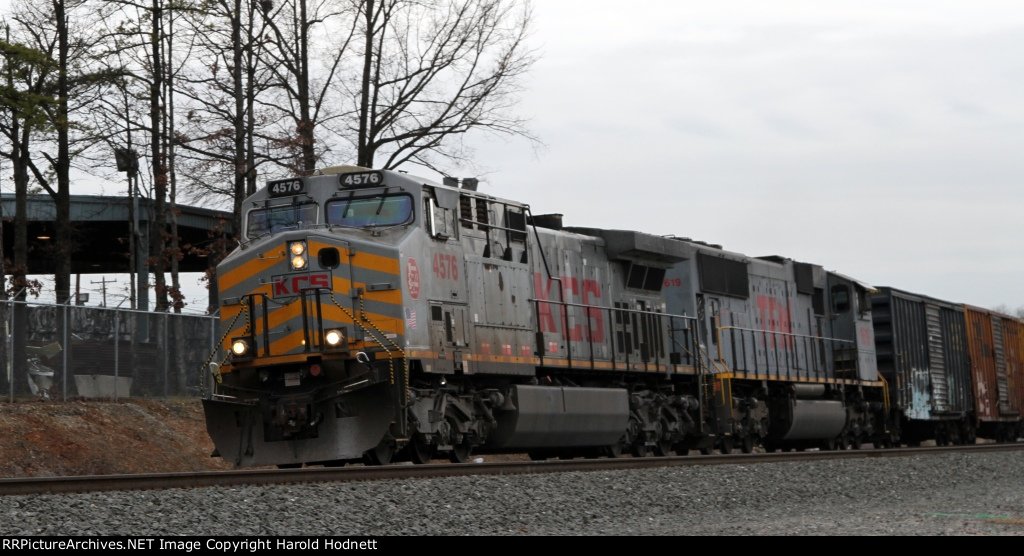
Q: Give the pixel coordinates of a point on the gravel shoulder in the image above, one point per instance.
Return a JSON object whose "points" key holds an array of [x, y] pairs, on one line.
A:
{"points": [[951, 494]]}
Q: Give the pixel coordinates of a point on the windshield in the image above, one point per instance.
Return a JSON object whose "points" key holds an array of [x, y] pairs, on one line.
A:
{"points": [[276, 219], [370, 212]]}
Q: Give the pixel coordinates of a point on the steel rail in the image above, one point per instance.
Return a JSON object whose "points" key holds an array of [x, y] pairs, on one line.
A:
{"points": [[153, 481]]}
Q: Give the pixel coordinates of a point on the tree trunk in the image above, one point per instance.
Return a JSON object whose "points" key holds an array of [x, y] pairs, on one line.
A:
{"points": [[365, 155], [158, 230], [62, 272], [4, 308], [250, 123], [18, 273], [239, 119], [175, 248], [3, 261], [305, 127]]}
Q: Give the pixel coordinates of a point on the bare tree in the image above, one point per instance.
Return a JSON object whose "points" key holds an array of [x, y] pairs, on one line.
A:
{"points": [[223, 122], [138, 33], [432, 71], [221, 125], [294, 27]]}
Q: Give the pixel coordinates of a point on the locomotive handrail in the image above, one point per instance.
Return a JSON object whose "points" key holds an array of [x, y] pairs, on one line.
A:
{"points": [[658, 352], [840, 340], [785, 346], [381, 341], [602, 308], [489, 225], [307, 343], [885, 391], [266, 323]]}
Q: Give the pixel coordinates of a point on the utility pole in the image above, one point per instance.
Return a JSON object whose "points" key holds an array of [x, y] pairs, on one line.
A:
{"points": [[128, 161], [103, 282]]}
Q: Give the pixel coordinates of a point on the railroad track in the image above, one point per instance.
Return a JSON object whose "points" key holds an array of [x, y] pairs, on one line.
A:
{"points": [[149, 481]]}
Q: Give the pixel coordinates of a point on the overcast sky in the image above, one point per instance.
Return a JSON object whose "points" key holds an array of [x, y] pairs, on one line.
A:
{"points": [[880, 139]]}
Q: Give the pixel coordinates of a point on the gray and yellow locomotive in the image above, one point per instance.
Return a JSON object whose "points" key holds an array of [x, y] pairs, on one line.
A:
{"points": [[370, 315]]}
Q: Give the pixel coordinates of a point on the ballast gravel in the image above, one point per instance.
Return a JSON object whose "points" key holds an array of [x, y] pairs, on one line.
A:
{"points": [[951, 494]]}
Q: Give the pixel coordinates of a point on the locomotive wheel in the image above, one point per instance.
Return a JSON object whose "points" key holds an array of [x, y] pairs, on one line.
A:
{"points": [[614, 451], [462, 446], [461, 452], [641, 450], [965, 433], [747, 446], [954, 437], [663, 444], [856, 442], [383, 453], [725, 448], [419, 451], [664, 448]]}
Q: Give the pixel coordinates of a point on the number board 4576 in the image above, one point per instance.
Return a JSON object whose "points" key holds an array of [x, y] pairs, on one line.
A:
{"points": [[284, 188], [362, 179]]}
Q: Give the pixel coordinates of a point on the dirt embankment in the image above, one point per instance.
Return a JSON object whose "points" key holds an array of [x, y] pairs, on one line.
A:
{"points": [[98, 438]]}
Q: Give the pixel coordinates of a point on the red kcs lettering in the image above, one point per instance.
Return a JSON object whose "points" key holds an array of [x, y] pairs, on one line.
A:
{"points": [[287, 284]]}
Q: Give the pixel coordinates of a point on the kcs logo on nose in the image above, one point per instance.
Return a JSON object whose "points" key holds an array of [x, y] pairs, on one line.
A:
{"points": [[285, 285]]}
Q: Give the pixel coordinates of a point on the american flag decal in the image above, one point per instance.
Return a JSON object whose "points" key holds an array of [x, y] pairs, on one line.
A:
{"points": [[410, 317]]}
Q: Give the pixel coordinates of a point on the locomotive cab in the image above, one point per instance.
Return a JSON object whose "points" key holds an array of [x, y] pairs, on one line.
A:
{"points": [[312, 313]]}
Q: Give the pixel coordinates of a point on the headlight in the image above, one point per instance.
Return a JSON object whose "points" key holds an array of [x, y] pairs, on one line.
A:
{"points": [[299, 255], [334, 337], [240, 347]]}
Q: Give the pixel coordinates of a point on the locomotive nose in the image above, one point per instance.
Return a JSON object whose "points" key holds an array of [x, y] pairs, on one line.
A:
{"points": [[306, 297]]}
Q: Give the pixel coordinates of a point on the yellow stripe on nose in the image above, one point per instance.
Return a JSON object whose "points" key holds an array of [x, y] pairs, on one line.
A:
{"points": [[254, 267]]}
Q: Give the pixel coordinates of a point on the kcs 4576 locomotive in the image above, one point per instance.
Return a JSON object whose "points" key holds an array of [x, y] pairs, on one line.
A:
{"points": [[369, 315]]}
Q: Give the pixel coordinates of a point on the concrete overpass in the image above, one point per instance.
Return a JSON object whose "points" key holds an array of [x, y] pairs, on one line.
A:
{"points": [[101, 231]]}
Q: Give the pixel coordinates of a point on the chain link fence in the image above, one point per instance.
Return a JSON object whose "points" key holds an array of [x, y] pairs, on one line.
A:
{"points": [[65, 352]]}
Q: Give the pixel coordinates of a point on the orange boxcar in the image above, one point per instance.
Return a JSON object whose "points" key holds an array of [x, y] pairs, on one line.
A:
{"points": [[996, 348]]}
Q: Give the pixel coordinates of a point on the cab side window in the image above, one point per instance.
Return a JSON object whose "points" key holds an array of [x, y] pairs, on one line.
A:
{"points": [[840, 299]]}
